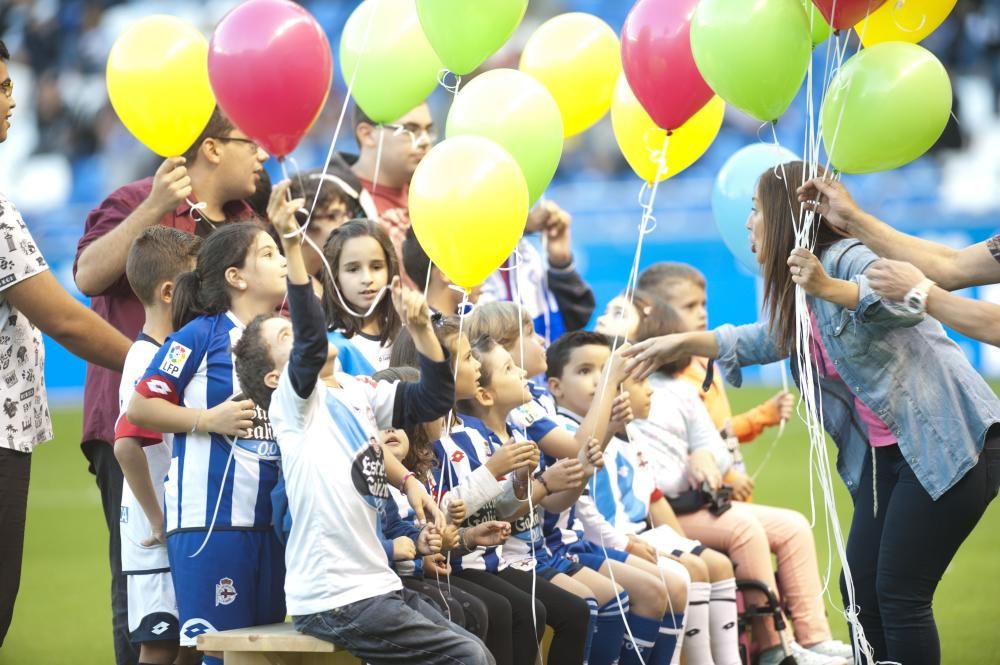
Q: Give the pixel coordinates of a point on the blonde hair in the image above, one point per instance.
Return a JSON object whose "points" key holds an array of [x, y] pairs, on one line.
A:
{"points": [[666, 275], [500, 321]]}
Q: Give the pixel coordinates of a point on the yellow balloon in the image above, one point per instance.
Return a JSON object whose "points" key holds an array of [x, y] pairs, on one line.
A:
{"points": [[578, 58], [641, 141], [157, 78], [468, 205], [909, 21]]}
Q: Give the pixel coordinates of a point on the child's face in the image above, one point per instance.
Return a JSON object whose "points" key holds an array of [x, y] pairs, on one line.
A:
{"points": [[277, 333], [508, 382], [533, 361], [263, 273], [581, 378], [689, 301], [620, 319], [467, 381], [640, 395], [396, 442], [363, 272]]}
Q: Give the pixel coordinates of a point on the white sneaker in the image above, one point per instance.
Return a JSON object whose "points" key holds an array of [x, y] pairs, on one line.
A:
{"points": [[772, 656], [835, 648], [804, 656]]}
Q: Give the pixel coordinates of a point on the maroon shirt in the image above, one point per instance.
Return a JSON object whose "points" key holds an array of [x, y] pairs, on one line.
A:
{"points": [[117, 304]]}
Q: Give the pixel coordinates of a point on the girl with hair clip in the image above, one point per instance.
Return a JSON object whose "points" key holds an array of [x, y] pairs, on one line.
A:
{"points": [[691, 460], [359, 315], [914, 424], [224, 464]]}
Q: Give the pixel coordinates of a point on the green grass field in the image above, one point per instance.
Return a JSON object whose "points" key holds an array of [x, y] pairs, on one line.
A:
{"points": [[63, 615]]}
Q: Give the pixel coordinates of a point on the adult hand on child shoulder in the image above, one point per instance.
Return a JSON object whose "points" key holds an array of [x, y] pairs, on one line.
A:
{"points": [[647, 356], [403, 549]]}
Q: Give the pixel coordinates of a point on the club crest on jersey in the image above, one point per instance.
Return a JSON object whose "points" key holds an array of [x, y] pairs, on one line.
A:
{"points": [[174, 361], [225, 592]]}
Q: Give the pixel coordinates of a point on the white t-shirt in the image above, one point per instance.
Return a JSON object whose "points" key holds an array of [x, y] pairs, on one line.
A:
{"points": [[26, 421], [336, 485], [134, 525]]}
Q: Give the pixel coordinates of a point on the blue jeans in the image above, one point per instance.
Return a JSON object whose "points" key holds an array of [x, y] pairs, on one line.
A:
{"points": [[898, 556], [396, 628]]}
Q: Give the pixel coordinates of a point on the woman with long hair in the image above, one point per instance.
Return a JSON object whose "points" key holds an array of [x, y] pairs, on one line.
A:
{"points": [[915, 426]]}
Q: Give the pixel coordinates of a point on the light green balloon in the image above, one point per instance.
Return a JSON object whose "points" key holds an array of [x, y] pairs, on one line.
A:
{"points": [[384, 52], [515, 110], [464, 33], [885, 107], [820, 28], [752, 53]]}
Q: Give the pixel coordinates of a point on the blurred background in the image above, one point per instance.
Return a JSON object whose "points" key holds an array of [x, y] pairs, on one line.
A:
{"points": [[68, 150]]}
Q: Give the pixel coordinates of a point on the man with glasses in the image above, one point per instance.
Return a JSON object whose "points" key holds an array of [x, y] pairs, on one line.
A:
{"points": [[195, 192], [31, 302]]}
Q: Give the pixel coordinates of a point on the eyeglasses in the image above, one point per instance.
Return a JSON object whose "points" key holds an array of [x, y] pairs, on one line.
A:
{"points": [[415, 131], [339, 216], [7, 87], [236, 139]]}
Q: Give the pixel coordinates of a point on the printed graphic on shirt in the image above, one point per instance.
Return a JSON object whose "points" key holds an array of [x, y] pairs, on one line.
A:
{"points": [[261, 442], [174, 361], [369, 477]]}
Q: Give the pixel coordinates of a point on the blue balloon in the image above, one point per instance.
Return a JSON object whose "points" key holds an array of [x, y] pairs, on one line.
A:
{"points": [[732, 196]]}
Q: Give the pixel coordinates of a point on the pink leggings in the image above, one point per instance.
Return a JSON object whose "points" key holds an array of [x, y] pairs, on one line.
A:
{"points": [[749, 533]]}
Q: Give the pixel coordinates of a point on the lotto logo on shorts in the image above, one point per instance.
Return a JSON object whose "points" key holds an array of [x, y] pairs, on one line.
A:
{"points": [[192, 628], [225, 592], [174, 361], [160, 628]]}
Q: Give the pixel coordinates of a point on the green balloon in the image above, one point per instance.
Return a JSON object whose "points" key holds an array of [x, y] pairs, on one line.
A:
{"points": [[386, 56], [516, 111], [885, 107], [820, 28], [466, 32], [752, 53]]}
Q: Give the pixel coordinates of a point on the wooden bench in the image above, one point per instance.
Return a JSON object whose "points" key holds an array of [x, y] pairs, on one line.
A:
{"points": [[276, 644]]}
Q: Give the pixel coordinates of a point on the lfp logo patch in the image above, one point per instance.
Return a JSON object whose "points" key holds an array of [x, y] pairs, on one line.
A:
{"points": [[174, 361]]}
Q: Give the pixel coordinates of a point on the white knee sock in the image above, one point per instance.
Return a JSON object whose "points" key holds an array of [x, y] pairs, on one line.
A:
{"points": [[722, 618], [697, 633]]}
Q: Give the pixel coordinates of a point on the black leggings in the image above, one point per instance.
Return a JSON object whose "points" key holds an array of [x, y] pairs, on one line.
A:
{"points": [[897, 557], [520, 644], [567, 614]]}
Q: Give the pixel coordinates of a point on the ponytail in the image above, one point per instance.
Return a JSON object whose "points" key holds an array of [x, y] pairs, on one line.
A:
{"points": [[185, 303]]}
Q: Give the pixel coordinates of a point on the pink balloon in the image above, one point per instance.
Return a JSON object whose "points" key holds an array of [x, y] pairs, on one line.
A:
{"points": [[271, 68], [658, 63], [842, 14]]}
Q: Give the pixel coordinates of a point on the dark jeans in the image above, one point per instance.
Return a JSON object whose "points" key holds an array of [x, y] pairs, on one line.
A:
{"points": [[104, 465], [456, 604], [396, 628], [499, 628], [898, 556], [15, 471], [522, 641]]}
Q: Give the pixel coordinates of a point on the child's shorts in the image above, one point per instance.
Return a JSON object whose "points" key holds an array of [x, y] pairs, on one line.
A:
{"points": [[236, 581]]}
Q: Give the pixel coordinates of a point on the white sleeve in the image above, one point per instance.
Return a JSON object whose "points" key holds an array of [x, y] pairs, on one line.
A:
{"points": [[507, 502], [702, 432], [288, 411], [595, 526], [381, 395], [476, 490]]}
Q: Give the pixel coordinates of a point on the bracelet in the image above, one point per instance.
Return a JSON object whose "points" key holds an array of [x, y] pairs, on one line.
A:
{"points": [[409, 474], [197, 419], [541, 478], [461, 539]]}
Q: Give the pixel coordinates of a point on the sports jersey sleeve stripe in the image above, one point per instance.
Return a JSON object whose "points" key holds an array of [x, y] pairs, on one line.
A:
{"points": [[176, 361]]}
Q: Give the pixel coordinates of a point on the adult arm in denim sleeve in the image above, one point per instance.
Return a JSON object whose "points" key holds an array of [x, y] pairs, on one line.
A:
{"points": [[871, 308], [742, 346]]}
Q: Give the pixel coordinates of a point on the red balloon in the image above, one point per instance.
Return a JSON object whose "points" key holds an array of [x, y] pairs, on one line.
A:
{"points": [[271, 68], [658, 63], [848, 12]]}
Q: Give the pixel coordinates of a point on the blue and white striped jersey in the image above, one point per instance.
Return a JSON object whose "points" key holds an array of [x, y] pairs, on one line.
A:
{"points": [[212, 479]]}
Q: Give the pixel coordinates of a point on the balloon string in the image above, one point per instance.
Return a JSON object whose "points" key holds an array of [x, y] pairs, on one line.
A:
{"points": [[895, 19], [443, 75]]}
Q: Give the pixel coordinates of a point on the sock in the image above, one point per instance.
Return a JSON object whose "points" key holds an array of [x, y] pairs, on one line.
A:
{"points": [[645, 631], [607, 643], [210, 660], [697, 640], [722, 619], [668, 644], [591, 629]]}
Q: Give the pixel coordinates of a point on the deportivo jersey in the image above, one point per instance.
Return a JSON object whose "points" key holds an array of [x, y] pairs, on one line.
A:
{"points": [[360, 355], [536, 418], [134, 525], [212, 479]]}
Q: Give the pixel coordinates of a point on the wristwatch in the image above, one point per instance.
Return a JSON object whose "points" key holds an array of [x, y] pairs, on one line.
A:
{"points": [[915, 301]]}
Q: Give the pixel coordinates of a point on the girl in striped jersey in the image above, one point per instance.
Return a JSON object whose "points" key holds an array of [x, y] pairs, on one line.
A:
{"points": [[222, 471], [359, 313]]}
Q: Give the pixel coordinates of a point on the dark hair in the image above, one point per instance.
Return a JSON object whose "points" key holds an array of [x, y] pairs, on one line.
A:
{"points": [[416, 263], [501, 321], [661, 320], [4, 53], [218, 126], [404, 351], [480, 348], [420, 457], [336, 316], [558, 353], [261, 196], [667, 274], [339, 183], [159, 255], [252, 359], [205, 290], [779, 206], [358, 118]]}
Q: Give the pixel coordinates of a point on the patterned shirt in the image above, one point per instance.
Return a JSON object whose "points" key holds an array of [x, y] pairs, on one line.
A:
{"points": [[26, 421]]}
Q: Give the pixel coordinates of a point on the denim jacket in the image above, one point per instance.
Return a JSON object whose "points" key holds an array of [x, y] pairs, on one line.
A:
{"points": [[902, 366]]}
